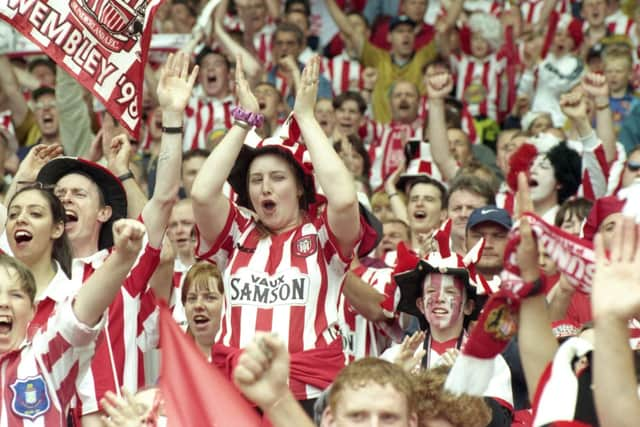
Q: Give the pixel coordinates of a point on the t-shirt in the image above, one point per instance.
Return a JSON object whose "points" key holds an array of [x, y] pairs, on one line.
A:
{"points": [[390, 72]]}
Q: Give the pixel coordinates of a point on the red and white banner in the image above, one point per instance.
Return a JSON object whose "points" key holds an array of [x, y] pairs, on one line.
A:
{"points": [[574, 257], [102, 43]]}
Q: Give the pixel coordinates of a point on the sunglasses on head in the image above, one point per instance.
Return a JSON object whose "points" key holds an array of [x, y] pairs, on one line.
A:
{"points": [[633, 166]]}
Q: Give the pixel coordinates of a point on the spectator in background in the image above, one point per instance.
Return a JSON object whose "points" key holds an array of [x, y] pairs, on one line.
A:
{"points": [[192, 161], [414, 10], [288, 43], [43, 69], [466, 193], [618, 65], [402, 62]]}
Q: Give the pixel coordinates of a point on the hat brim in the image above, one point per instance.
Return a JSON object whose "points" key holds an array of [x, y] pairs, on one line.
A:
{"points": [[110, 186], [411, 288], [403, 180], [372, 234], [238, 176]]}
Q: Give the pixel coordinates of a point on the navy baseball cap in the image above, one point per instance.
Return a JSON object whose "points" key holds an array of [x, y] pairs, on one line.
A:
{"points": [[401, 20], [490, 213]]}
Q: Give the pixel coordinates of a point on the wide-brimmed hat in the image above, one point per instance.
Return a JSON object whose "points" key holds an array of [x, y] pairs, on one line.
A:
{"points": [[285, 144], [112, 190], [411, 271]]}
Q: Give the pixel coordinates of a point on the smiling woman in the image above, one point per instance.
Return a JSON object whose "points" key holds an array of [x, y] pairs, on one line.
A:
{"points": [[36, 235]]}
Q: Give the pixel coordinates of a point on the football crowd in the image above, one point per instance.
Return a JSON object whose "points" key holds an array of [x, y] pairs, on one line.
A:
{"points": [[362, 213]]}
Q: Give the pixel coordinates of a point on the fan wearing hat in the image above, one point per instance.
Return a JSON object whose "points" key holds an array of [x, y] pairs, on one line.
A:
{"points": [[94, 199], [282, 264], [440, 290]]}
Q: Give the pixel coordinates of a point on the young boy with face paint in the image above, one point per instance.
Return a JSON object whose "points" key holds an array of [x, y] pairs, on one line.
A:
{"points": [[440, 291]]}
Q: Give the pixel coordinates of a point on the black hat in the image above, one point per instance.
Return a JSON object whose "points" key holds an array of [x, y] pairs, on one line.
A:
{"points": [[110, 186], [401, 20], [410, 282]]}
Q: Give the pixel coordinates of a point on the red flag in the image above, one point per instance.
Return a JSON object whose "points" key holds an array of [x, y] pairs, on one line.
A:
{"points": [[195, 393], [101, 43]]}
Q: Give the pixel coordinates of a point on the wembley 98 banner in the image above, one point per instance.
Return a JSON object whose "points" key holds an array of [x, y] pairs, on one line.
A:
{"points": [[101, 43]]}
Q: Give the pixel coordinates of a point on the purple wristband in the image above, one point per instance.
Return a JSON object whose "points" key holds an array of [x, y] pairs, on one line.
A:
{"points": [[254, 119]]}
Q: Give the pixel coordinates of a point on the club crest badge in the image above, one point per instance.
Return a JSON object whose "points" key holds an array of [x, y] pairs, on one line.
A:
{"points": [[305, 246], [500, 324], [30, 397], [116, 23]]}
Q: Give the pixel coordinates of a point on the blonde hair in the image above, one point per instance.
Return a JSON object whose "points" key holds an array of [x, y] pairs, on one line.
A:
{"points": [[372, 370], [199, 275]]}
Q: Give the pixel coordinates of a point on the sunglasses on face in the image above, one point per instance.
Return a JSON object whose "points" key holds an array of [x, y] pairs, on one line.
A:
{"points": [[633, 166]]}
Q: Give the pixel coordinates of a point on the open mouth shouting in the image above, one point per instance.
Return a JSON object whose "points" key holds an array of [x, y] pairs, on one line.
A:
{"points": [[22, 237], [420, 215], [268, 206], [71, 218], [6, 325], [201, 321]]}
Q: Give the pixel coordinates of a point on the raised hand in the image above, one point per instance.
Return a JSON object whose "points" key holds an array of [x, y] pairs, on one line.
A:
{"points": [[409, 357], [175, 83], [449, 357], [127, 236], [527, 252], [123, 411], [246, 98], [37, 157], [439, 85], [262, 373], [616, 284], [95, 149], [596, 86], [574, 104], [119, 154], [308, 90]]}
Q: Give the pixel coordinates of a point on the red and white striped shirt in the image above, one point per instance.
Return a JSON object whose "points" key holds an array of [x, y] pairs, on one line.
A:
{"points": [[619, 23], [131, 329], [387, 154], [479, 83], [343, 72], [177, 308], [287, 283], [531, 9], [361, 337], [262, 39], [6, 121], [370, 132], [38, 380], [204, 116]]}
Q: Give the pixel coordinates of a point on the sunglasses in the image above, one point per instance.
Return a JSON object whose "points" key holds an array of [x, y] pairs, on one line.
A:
{"points": [[633, 166]]}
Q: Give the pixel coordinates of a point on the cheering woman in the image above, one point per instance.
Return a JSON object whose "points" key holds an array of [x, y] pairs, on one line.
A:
{"points": [[282, 263]]}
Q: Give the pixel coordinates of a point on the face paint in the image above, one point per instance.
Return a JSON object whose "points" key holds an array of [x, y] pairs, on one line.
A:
{"points": [[542, 181], [442, 300]]}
